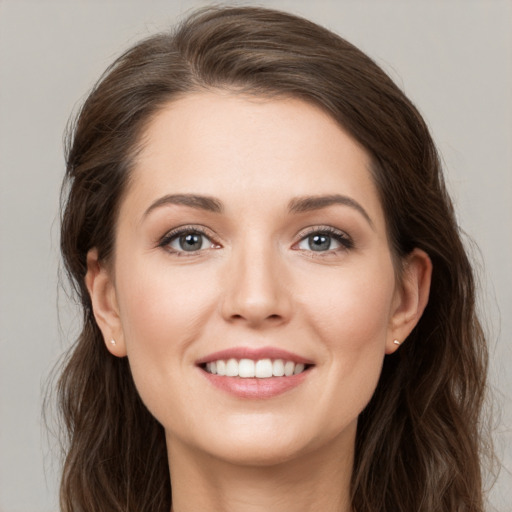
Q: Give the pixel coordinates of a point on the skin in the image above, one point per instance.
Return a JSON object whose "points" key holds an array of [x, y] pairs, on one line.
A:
{"points": [[255, 282]]}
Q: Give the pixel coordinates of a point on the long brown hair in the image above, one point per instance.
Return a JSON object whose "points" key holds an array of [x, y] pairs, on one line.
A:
{"points": [[418, 441]]}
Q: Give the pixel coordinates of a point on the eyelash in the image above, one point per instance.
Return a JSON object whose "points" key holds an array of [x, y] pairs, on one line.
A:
{"points": [[339, 236]]}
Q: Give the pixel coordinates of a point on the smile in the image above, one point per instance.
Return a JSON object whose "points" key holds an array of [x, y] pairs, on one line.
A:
{"points": [[248, 368], [255, 373]]}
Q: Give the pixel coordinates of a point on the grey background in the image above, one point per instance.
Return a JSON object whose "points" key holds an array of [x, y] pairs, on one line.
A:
{"points": [[453, 58]]}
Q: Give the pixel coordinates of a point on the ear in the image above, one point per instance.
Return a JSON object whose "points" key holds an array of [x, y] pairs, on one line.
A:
{"points": [[101, 288], [411, 298]]}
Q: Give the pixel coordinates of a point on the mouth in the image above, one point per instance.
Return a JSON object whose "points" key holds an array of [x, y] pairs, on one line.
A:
{"points": [[259, 369], [255, 373]]}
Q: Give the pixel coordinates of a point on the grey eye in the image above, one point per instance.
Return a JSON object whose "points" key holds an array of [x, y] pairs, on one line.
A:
{"points": [[318, 242], [190, 242]]}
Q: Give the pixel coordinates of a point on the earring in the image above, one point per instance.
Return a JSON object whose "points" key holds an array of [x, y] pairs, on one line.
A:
{"points": [[113, 341], [396, 342]]}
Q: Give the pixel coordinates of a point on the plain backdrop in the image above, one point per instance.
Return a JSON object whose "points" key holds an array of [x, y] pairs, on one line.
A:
{"points": [[453, 58]]}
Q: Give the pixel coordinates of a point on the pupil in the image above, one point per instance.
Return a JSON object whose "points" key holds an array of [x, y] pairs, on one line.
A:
{"points": [[190, 242], [319, 242]]}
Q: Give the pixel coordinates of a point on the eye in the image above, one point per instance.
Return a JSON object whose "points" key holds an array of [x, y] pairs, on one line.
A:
{"points": [[187, 241], [190, 242], [323, 240]]}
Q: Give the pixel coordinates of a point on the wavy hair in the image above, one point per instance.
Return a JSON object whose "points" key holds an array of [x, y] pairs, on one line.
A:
{"points": [[418, 445]]}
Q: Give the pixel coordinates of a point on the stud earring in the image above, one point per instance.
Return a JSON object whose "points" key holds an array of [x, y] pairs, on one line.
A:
{"points": [[396, 342], [112, 341]]}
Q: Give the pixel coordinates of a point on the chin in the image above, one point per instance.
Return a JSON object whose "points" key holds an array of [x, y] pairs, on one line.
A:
{"points": [[257, 453], [263, 441]]}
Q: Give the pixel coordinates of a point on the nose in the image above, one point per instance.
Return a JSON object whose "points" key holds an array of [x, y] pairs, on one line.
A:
{"points": [[257, 291]]}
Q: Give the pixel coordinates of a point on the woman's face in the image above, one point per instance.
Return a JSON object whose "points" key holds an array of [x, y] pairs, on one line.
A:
{"points": [[251, 241]]}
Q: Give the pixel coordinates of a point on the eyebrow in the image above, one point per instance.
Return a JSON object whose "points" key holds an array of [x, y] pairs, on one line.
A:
{"points": [[207, 203], [297, 205], [310, 203]]}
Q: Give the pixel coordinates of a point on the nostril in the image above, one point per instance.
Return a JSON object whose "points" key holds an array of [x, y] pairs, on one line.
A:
{"points": [[270, 317]]}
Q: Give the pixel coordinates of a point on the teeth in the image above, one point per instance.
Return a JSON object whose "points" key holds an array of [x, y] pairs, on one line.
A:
{"points": [[299, 368], [278, 368], [221, 367], [288, 368], [232, 368], [261, 369], [246, 368]]}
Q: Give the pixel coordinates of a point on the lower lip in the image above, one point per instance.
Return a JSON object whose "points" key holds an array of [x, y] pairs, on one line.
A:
{"points": [[255, 388]]}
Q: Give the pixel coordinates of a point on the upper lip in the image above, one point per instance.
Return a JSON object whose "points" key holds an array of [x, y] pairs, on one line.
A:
{"points": [[253, 353]]}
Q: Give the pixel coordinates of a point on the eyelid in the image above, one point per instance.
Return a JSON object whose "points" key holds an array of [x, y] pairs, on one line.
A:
{"points": [[321, 228]]}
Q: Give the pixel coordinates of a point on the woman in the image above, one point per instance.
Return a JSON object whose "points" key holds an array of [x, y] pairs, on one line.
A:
{"points": [[278, 309]]}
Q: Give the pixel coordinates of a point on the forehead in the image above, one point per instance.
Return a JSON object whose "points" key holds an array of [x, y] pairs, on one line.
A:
{"points": [[266, 150]]}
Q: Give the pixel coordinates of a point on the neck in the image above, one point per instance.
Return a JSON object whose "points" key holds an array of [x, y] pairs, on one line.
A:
{"points": [[319, 480]]}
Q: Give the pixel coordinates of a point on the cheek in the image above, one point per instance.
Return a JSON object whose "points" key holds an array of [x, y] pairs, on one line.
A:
{"points": [[160, 305], [162, 313], [351, 316], [352, 310]]}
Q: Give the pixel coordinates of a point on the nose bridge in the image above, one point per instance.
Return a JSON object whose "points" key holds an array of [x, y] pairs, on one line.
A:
{"points": [[256, 288]]}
